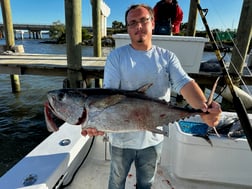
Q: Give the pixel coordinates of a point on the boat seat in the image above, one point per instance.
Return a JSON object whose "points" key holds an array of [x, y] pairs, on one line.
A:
{"points": [[48, 162]]}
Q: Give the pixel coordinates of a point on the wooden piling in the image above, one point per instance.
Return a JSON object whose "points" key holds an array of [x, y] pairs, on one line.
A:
{"points": [[7, 20], [192, 18], [96, 14], [73, 42], [15, 83], [244, 34], [10, 39]]}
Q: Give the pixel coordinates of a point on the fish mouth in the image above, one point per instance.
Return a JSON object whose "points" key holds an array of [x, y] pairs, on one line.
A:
{"points": [[49, 110]]}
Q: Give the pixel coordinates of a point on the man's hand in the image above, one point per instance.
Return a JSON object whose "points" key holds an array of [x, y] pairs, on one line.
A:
{"points": [[91, 132], [212, 115]]}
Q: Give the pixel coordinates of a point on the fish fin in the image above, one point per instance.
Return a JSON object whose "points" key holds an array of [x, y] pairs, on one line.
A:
{"points": [[144, 88], [210, 98], [206, 137], [158, 131], [109, 101], [166, 130]]}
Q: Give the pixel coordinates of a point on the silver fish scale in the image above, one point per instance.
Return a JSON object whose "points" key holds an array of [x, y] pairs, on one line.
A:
{"points": [[132, 114], [113, 110]]}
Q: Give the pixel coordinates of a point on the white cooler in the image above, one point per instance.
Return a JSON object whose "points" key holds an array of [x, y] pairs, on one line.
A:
{"points": [[188, 49], [189, 157]]}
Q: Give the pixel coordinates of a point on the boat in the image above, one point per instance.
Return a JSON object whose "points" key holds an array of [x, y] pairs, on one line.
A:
{"points": [[66, 159]]}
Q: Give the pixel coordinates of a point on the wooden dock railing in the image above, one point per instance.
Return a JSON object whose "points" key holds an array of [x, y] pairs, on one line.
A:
{"points": [[48, 65], [92, 67]]}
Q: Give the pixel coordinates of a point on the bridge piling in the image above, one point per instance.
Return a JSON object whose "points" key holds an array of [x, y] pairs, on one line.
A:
{"points": [[10, 39]]}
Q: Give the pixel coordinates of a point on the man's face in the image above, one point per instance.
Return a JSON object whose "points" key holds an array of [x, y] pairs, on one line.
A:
{"points": [[140, 26], [168, 1]]}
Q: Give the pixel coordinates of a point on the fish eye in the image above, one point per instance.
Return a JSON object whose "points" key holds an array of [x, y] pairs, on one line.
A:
{"points": [[61, 96]]}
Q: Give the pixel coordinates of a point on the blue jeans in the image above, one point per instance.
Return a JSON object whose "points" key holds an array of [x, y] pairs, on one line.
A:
{"points": [[145, 162]]}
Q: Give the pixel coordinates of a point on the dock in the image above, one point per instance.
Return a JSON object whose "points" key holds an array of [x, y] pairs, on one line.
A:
{"points": [[92, 67], [48, 65]]}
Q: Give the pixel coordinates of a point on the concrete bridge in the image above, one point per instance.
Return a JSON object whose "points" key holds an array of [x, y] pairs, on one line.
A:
{"points": [[34, 30]]}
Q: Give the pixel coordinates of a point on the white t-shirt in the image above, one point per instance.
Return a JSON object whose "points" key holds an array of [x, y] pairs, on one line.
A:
{"points": [[129, 69]]}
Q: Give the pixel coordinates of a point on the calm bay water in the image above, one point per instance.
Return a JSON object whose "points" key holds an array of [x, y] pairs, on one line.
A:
{"points": [[22, 125]]}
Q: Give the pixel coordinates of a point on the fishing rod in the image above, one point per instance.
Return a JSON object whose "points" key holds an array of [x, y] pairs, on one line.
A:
{"points": [[238, 104]]}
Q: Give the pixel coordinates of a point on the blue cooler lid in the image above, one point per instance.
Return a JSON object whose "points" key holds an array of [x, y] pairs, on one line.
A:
{"points": [[193, 127]]}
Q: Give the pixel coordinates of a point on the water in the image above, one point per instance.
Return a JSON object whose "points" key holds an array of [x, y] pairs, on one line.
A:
{"points": [[22, 123]]}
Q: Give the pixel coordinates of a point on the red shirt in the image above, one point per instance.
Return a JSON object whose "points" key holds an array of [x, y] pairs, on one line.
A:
{"points": [[176, 15]]}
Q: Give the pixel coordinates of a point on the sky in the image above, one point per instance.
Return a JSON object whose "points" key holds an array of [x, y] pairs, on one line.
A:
{"points": [[222, 14]]}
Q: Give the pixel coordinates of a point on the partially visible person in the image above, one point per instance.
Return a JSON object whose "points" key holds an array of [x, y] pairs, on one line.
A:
{"points": [[168, 16], [130, 67]]}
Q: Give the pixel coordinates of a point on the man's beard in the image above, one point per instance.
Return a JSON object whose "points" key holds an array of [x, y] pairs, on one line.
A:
{"points": [[140, 40], [141, 37]]}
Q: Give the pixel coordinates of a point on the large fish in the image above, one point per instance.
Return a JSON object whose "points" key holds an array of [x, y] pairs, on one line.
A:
{"points": [[111, 110]]}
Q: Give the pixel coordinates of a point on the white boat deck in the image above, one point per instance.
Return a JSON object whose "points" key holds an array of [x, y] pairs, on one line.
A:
{"points": [[187, 162], [94, 173]]}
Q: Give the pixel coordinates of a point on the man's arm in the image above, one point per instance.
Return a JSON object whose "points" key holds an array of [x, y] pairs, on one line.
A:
{"points": [[111, 80], [196, 98]]}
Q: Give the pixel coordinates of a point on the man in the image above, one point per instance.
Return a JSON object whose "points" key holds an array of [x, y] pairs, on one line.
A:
{"points": [[131, 66], [168, 16]]}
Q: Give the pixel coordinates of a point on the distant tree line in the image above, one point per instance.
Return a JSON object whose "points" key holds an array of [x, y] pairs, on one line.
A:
{"points": [[57, 33], [228, 35]]}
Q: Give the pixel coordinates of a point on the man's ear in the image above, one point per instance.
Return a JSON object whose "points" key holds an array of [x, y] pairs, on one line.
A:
{"points": [[153, 24]]}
